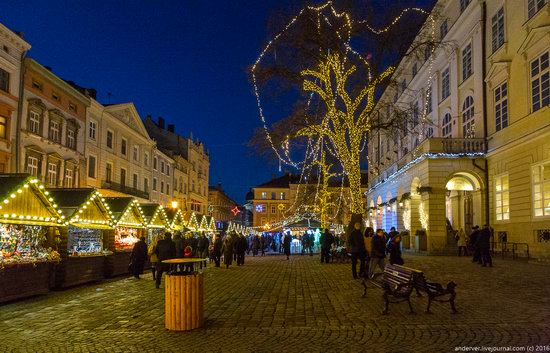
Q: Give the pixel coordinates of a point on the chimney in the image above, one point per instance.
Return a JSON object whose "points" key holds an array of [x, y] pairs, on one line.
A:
{"points": [[161, 122], [91, 92], [171, 127]]}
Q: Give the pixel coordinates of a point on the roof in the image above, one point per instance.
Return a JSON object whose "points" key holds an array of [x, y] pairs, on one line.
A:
{"points": [[9, 182], [283, 181], [118, 205], [69, 200], [286, 180], [150, 210]]}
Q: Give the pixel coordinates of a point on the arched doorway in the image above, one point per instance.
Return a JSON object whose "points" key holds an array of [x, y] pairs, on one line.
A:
{"points": [[463, 202]]}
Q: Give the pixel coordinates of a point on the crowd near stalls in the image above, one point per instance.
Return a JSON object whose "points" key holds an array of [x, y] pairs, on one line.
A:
{"points": [[129, 227], [156, 221], [28, 228], [81, 241]]}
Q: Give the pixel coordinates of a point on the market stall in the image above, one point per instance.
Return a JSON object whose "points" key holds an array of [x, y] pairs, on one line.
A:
{"points": [[129, 227], [28, 225], [81, 241], [156, 220], [175, 219]]}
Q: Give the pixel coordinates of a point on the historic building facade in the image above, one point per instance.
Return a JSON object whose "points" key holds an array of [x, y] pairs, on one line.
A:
{"points": [[12, 50], [222, 207], [49, 142], [518, 121], [432, 171]]}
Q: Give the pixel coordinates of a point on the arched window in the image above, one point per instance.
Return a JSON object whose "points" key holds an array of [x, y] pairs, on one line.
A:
{"points": [[430, 132], [468, 121], [446, 127]]}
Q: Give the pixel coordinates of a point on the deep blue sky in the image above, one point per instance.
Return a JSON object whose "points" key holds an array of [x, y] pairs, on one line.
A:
{"points": [[184, 60]]}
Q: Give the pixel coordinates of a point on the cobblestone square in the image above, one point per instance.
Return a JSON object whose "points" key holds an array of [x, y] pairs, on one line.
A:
{"points": [[274, 305]]}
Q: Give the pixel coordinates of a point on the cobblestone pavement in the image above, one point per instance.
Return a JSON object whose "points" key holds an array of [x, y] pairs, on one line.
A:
{"points": [[274, 305]]}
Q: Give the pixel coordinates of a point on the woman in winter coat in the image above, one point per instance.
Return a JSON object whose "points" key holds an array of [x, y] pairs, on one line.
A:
{"points": [[227, 250], [152, 252], [461, 242], [394, 249]]}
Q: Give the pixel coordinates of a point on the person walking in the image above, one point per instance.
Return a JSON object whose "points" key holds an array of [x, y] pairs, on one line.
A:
{"points": [[287, 240], [256, 245], [327, 240], [461, 242], [217, 250], [394, 249], [483, 244], [392, 233], [378, 252], [166, 250], [179, 244], [262, 245], [240, 247], [138, 257], [357, 249], [227, 250], [367, 239], [152, 252], [203, 245]]}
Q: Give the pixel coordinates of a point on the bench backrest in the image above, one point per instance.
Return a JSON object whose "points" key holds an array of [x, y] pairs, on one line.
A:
{"points": [[395, 275]]}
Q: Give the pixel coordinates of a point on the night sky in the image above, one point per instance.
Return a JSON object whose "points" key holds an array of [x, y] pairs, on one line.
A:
{"points": [[184, 60]]}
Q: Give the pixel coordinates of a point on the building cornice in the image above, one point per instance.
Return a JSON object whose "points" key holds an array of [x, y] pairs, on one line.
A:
{"points": [[13, 38]]}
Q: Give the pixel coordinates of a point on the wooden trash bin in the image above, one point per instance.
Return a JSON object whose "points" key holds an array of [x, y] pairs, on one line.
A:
{"points": [[184, 302]]}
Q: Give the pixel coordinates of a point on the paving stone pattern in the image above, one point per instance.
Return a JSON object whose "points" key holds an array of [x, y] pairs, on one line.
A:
{"points": [[274, 305]]}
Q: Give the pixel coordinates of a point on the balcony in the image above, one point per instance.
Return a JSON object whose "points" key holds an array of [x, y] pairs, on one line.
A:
{"points": [[459, 147], [125, 189]]}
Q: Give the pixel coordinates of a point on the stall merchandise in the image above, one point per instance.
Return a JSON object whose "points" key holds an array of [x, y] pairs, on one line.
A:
{"points": [[28, 225], [81, 244], [129, 225]]}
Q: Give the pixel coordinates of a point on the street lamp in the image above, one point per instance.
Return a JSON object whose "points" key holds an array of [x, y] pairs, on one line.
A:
{"points": [[174, 204]]}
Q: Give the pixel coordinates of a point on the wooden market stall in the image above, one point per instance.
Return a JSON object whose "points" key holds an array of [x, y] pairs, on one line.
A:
{"points": [[129, 227], [28, 225], [175, 219], [81, 241], [156, 220]]}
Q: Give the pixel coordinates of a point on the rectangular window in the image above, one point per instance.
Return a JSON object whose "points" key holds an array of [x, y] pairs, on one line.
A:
{"points": [[540, 82], [122, 177], [502, 198], [136, 153], [273, 196], [443, 29], [497, 29], [68, 178], [155, 160], [34, 122], [52, 174], [162, 166], [109, 172], [92, 130], [467, 62], [168, 169], [464, 4], [501, 106], [534, 6], [56, 97], [72, 107], [146, 159], [541, 190], [36, 85], [32, 166], [123, 147], [110, 139], [273, 209], [282, 195], [4, 81], [3, 127], [145, 184], [154, 184], [71, 138], [167, 189], [135, 181], [264, 195], [162, 187], [91, 167], [445, 84], [54, 131]]}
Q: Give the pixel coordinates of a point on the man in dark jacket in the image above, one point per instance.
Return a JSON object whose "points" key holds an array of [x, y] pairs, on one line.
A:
{"points": [[326, 240], [166, 249], [378, 252], [240, 247], [217, 249], [392, 234], [139, 256], [357, 249], [202, 246], [483, 245], [179, 244]]}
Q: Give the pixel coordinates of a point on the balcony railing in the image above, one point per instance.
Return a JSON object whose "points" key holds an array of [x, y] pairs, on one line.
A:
{"points": [[125, 189]]}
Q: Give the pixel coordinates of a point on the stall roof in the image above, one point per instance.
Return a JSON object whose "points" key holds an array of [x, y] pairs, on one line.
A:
{"points": [[175, 218], [126, 212], [23, 200], [155, 215], [83, 207]]}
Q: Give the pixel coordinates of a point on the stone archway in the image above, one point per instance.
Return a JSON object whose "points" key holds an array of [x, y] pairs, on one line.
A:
{"points": [[464, 201]]}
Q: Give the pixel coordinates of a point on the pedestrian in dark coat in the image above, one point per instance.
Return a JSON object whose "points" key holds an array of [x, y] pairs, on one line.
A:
{"points": [[326, 242], [227, 250], [357, 248], [233, 245], [286, 244], [483, 245], [138, 257], [378, 252], [202, 247], [473, 241], [179, 244], [217, 250], [392, 233], [394, 249], [166, 250], [256, 245], [240, 247]]}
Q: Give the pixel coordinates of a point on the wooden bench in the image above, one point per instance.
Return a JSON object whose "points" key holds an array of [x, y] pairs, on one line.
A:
{"points": [[435, 291], [397, 283]]}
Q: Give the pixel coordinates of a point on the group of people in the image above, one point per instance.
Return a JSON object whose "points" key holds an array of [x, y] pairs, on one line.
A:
{"points": [[370, 249], [478, 243]]}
